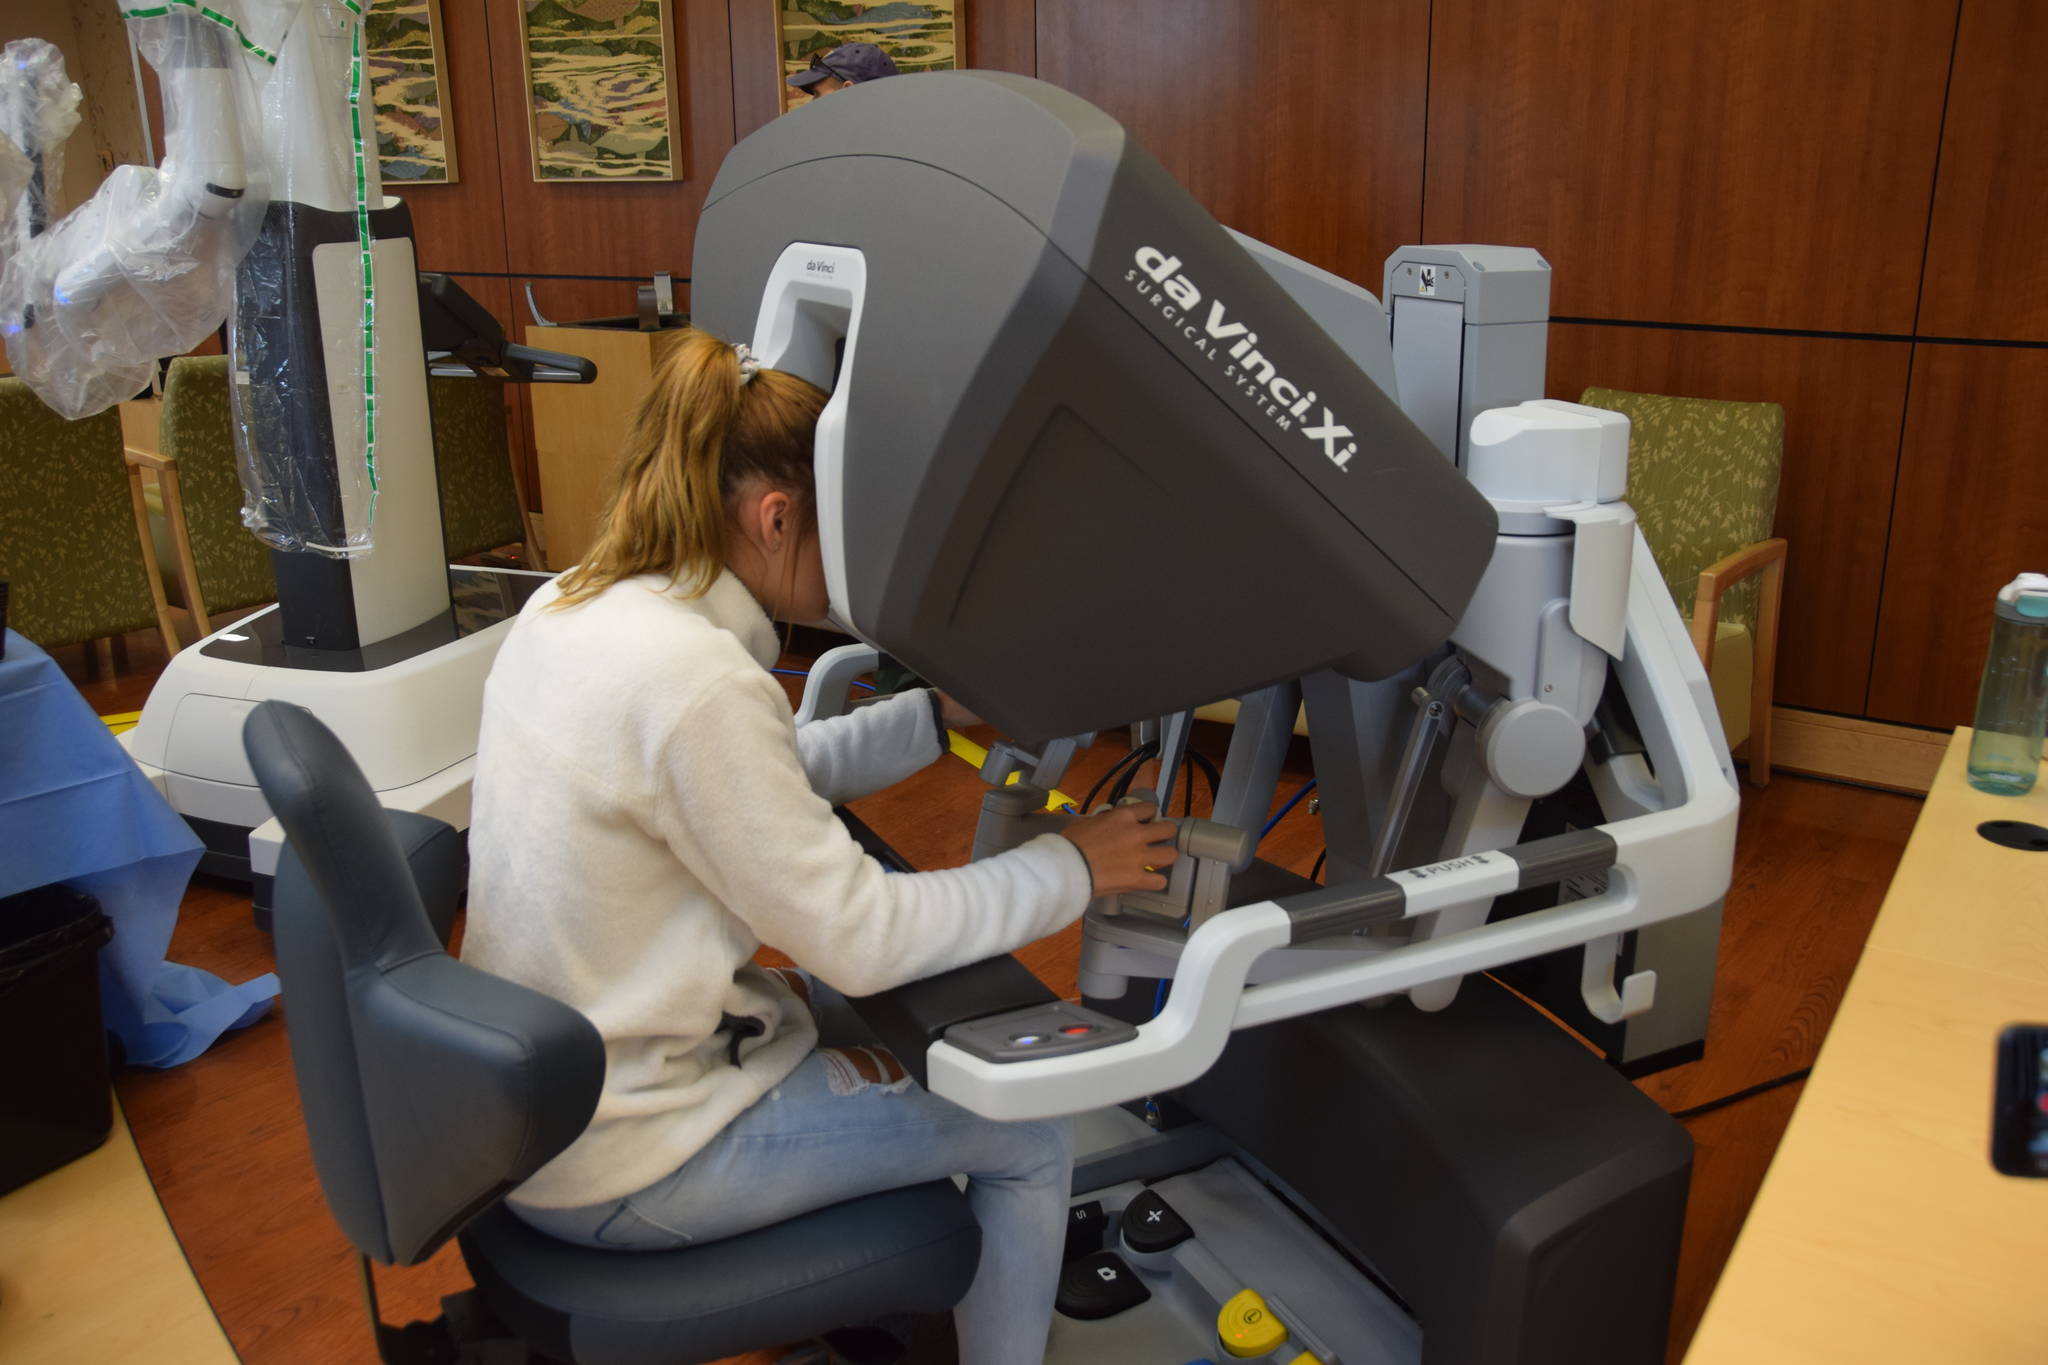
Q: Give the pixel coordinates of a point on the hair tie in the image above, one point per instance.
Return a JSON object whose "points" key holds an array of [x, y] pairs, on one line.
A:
{"points": [[749, 367]]}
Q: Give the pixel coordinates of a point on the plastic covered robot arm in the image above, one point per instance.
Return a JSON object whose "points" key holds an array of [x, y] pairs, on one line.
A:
{"points": [[38, 110], [145, 268]]}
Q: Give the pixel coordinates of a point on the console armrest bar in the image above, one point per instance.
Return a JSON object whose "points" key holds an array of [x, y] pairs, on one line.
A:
{"points": [[825, 691], [1424, 890]]}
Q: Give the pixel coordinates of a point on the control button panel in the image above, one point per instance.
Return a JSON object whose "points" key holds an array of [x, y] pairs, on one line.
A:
{"points": [[1055, 1030]]}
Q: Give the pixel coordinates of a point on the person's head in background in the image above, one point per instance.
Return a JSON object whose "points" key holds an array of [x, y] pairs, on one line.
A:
{"points": [[845, 65]]}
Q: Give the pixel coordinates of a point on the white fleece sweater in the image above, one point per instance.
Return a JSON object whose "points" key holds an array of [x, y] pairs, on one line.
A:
{"points": [[646, 815]]}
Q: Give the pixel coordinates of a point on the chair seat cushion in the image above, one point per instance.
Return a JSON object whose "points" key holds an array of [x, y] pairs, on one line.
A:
{"points": [[912, 1250]]}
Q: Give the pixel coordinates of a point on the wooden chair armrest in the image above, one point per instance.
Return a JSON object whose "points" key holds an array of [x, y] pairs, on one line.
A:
{"points": [[1766, 557], [1722, 575], [150, 459]]}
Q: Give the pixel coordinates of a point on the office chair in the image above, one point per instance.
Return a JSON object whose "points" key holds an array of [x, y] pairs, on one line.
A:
{"points": [[431, 1089]]}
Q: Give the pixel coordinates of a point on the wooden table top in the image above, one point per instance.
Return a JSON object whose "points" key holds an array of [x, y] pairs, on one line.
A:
{"points": [[91, 1273], [1882, 1232]]}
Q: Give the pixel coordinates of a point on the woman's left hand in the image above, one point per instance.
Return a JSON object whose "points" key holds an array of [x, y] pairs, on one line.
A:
{"points": [[957, 717]]}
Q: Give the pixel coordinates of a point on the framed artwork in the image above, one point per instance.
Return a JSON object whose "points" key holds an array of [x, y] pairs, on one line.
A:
{"points": [[404, 63], [925, 36], [601, 89]]}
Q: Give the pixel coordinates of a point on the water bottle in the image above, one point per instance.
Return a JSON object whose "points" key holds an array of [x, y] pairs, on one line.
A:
{"points": [[2012, 705]]}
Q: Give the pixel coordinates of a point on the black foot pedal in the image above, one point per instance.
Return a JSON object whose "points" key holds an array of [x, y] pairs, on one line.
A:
{"points": [[1151, 1227], [1099, 1285], [1085, 1225]]}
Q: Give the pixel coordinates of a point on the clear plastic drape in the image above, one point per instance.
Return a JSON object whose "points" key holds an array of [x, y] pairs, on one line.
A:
{"points": [[145, 268]]}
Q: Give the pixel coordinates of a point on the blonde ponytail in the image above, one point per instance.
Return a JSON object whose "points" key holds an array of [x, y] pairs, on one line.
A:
{"points": [[701, 436]]}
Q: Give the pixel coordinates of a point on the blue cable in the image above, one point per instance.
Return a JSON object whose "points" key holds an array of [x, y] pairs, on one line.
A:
{"points": [[805, 673], [1159, 996], [1292, 802]]}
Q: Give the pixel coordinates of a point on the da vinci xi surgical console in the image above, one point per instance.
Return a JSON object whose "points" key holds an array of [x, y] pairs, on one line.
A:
{"points": [[1051, 374]]}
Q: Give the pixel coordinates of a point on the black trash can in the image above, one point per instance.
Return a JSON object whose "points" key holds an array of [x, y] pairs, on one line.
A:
{"points": [[58, 1102]]}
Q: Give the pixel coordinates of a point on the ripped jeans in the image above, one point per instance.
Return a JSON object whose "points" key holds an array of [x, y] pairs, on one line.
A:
{"points": [[848, 1122]]}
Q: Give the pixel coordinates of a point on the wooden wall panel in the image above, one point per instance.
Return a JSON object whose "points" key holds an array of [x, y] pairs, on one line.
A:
{"points": [[461, 227], [1971, 513], [1744, 162], [1843, 404], [110, 124], [1987, 270], [1001, 36], [755, 73], [628, 230], [1299, 124]]}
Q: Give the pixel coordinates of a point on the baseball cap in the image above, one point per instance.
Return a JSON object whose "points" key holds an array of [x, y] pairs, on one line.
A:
{"points": [[854, 62]]}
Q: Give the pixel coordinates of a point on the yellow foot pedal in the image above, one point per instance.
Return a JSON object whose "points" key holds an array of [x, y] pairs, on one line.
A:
{"points": [[1248, 1328]]}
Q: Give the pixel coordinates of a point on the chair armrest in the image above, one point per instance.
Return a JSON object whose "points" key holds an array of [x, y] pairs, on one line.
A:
{"points": [[438, 855], [150, 459], [1722, 575]]}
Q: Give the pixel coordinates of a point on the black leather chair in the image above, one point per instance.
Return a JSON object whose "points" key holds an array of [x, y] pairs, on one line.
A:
{"points": [[432, 1088]]}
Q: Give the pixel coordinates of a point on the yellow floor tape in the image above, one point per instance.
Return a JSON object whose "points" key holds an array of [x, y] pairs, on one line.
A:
{"points": [[974, 755]]}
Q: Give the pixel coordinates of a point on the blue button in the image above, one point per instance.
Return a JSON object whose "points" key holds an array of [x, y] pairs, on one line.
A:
{"points": [[1025, 1039]]}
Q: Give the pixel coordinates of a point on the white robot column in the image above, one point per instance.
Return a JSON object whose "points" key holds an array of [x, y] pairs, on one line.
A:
{"points": [[330, 372], [1533, 646]]}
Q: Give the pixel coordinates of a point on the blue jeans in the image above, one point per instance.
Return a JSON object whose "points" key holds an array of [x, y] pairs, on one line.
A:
{"points": [[847, 1123]]}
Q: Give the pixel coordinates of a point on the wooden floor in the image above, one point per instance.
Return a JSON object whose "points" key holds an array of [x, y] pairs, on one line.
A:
{"points": [[222, 1139]]}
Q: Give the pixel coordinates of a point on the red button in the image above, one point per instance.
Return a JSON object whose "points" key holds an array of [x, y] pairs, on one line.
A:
{"points": [[1076, 1030]]}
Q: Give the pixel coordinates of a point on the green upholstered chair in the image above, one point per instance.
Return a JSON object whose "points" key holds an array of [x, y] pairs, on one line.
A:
{"points": [[73, 531], [1703, 479], [211, 557], [216, 565], [480, 502]]}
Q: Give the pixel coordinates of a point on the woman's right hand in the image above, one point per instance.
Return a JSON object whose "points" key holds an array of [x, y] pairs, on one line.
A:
{"points": [[1126, 847]]}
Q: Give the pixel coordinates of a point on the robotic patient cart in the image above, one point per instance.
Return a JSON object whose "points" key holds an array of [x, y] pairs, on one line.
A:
{"points": [[1052, 372]]}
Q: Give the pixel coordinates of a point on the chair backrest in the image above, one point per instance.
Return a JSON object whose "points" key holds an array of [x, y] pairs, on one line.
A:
{"points": [[69, 544], [1703, 479], [473, 461], [430, 1088], [198, 431]]}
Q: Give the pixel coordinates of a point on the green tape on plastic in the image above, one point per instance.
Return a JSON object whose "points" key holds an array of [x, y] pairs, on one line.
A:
{"points": [[159, 11], [362, 173]]}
